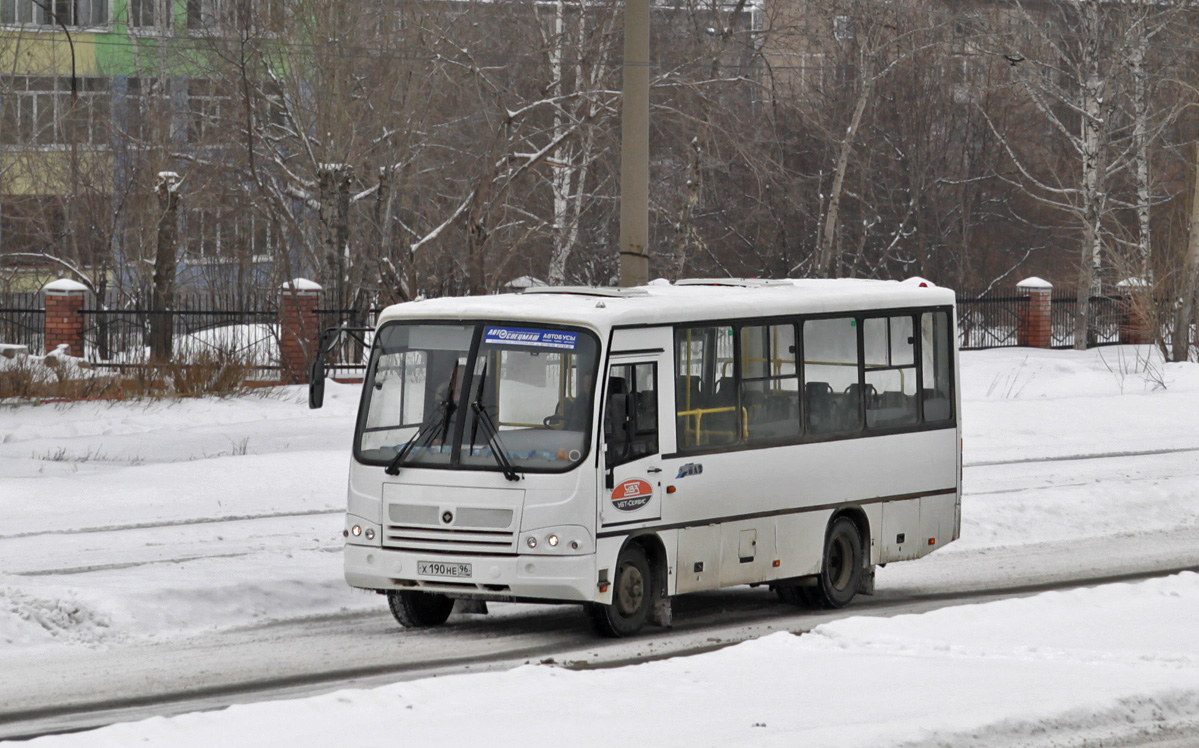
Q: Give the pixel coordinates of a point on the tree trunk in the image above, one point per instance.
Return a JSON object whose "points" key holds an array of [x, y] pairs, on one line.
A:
{"points": [[334, 183], [824, 252], [1188, 280], [165, 258], [1093, 183], [1141, 146]]}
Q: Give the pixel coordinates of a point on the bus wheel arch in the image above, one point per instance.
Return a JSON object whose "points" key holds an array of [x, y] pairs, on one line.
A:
{"points": [[637, 582], [843, 562]]}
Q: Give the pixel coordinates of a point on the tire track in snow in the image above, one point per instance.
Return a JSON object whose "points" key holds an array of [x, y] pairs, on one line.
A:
{"points": [[172, 523], [1073, 458]]}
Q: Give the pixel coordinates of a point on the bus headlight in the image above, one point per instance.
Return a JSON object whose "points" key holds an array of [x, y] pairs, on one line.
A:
{"points": [[567, 540], [361, 532]]}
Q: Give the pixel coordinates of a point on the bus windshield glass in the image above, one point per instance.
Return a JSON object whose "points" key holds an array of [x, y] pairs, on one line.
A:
{"points": [[453, 395]]}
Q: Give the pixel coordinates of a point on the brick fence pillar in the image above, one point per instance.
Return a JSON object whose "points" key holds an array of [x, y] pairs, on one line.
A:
{"points": [[1135, 310], [64, 323], [1035, 326], [299, 328]]}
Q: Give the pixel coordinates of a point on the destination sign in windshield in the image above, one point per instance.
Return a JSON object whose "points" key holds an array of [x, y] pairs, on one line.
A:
{"points": [[530, 338]]}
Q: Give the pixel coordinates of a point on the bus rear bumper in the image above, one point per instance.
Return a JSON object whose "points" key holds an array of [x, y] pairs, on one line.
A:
{"points": [[549, 578]]}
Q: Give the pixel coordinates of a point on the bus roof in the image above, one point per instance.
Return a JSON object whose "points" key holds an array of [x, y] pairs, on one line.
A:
{"points": [[662, 302]]}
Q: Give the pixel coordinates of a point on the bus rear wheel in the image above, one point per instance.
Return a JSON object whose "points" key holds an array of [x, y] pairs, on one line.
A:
{"points": [[633, 592], [841, 570], [415, 610]]}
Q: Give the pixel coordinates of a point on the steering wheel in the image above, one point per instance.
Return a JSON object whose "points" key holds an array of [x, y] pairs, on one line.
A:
{"points": [[556, 422]]}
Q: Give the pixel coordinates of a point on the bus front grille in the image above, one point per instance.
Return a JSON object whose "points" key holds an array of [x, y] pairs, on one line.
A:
{"points": [[445, 539]]}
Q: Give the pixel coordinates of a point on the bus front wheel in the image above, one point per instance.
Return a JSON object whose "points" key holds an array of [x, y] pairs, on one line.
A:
{"points": [[633, 591], [841, 570], [416, 610]]}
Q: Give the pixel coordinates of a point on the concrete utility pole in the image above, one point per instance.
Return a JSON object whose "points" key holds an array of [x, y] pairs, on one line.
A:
{"points": [[634, 148]]}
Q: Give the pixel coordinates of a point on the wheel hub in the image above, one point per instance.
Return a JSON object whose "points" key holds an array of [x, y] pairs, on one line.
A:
{"points": [[631, 590]]}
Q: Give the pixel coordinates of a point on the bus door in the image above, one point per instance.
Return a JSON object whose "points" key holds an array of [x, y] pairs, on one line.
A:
{"points": [[632, 483]]}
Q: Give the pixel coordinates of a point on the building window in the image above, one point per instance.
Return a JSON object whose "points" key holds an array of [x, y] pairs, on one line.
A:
{"points": [[227, 236], [41, 110], [54, 12], [150, 14], [842, 28], [207, 16], [205, 102]]}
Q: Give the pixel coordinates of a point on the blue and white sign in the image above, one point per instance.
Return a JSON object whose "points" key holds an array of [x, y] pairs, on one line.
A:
{"points": [[518, 336]]}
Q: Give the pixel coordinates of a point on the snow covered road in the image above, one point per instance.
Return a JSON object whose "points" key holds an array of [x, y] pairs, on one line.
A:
{"points": [[148, 549]]}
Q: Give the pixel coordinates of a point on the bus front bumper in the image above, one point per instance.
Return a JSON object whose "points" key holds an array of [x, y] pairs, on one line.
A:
{"points": [[549, 578]]}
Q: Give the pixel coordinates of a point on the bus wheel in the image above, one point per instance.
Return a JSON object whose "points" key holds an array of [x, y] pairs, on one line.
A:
{"points": [[804, 597], [416, 610], [632, 596], [842, 567]]}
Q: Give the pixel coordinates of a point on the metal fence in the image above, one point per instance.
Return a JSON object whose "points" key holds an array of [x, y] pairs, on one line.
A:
{"points": [[247, 328], [23, 321], [989, 321], [202, 328], [1107, 315], [347, 357]]}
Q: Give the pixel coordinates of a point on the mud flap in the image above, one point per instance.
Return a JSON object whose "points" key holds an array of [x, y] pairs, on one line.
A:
{"points": [[660, 613], [866, 582]]}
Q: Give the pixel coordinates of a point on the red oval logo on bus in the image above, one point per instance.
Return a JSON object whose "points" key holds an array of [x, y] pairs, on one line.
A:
{"points": [[632, 494]]}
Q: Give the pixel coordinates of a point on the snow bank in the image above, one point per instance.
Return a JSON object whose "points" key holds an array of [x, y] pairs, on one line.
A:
{"points": [[1101, 662]]}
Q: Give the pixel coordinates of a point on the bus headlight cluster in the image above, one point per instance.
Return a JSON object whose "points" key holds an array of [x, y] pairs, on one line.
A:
{"points": [[563, 540], [359, 532]]}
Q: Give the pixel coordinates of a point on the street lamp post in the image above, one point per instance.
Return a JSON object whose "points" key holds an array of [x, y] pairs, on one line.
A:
{"points": [[634, 149]]}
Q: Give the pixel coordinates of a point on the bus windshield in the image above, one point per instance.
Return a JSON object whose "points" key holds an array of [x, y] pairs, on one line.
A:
{"points": [[451, 395]]}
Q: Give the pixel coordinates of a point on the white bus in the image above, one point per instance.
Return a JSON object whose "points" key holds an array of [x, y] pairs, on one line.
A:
{"points": [[618, 447]]}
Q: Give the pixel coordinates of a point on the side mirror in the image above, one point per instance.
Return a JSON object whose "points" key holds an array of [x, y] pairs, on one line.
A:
{"points": [[316, 382]]}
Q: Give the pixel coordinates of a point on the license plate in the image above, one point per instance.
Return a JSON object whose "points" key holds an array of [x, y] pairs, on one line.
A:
{"points": [[439, 569]]}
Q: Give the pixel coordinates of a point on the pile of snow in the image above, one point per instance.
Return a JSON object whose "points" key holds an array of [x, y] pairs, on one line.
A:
{"points": [[56, 366], [1093, 663], [248, 344]]}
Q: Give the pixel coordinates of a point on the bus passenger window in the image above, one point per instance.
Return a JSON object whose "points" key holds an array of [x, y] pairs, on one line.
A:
{"points": [[936, 354], [706, 399], [769, 383], [830, 390], [890, 371]]}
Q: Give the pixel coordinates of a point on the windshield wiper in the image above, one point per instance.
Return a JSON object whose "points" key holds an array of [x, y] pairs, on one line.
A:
{"points": [[493, 433], [426, 431]]}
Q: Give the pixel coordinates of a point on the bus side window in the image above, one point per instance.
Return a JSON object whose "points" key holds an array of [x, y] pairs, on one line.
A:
{"points": [[706, 398], [830, 349], [936, 355], [890, 392], [769, 383]]}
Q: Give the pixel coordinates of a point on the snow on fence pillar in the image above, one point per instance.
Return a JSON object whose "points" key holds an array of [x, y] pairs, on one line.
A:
{"points": [[64, 323], [299, 328], [1135, 309], [1035, 326]]}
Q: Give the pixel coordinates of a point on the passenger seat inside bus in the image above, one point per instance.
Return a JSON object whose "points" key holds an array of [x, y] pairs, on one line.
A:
{"points": [[818, 402]]}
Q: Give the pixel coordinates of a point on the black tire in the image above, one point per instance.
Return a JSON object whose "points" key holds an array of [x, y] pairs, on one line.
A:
{"points": [[841, 570], [415, 610], [787, 595], [804, 597], [633, 593]]}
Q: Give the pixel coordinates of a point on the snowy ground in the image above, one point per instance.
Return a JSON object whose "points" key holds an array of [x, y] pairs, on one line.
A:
{"points": [[127, 524]]}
